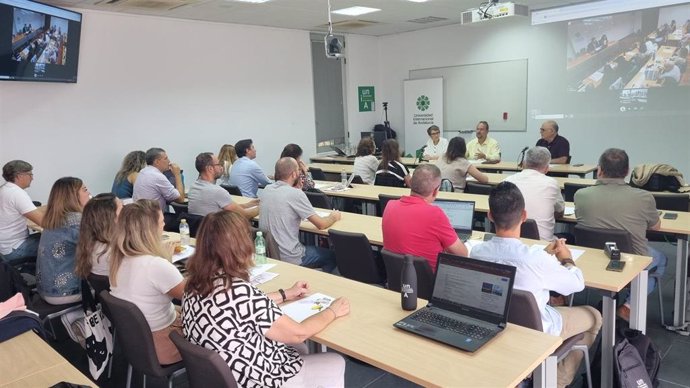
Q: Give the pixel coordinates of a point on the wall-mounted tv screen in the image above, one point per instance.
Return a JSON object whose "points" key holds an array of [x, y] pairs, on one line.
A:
{"points": [[38, 42]]}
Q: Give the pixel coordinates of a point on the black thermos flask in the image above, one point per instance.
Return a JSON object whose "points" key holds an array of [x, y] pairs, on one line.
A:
{"points": [[408, 291]]}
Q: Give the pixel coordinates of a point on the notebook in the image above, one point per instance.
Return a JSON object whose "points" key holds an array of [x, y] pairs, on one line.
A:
{"points": [[460, 214], [469, 303]]}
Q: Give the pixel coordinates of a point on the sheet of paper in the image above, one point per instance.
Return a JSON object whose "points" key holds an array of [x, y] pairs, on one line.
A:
{"points": [[575, 252], [323, 214], [261, 278], [306, 307], [477, 161], [569, 210], [323, 186], [188, 251], [259, 269]]}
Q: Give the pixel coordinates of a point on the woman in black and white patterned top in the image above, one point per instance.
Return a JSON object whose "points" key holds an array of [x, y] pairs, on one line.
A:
{"points": [[222, 311]]}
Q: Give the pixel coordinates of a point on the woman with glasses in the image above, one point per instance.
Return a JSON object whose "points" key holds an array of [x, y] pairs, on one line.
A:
{"points": [[436, 145]]}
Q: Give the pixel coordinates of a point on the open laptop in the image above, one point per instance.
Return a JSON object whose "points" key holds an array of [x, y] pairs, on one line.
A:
{"points": [[469, 304], [340, 152], [460, 214]]}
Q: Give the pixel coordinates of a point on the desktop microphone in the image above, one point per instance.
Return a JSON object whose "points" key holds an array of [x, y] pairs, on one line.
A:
{"points": [[521, 158]]}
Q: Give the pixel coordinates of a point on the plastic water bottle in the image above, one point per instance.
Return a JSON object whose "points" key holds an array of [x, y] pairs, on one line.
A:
{"points": [[259, 249], [343, 177], [184, 232], [408, 291]]}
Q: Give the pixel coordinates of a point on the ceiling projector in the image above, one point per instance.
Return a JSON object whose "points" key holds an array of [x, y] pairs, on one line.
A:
{"points": [[493, 10]]}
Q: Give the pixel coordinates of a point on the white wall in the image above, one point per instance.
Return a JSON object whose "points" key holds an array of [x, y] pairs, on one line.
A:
{"points": [[650, 138], [183, 85]]}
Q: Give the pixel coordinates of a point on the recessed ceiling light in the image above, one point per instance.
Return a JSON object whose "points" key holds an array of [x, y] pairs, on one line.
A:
{"points": [[355, 11], [253, 1]]}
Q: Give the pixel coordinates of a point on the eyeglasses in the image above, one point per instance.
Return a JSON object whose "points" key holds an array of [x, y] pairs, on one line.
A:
{"points": [[31, 174], [435, 133]]}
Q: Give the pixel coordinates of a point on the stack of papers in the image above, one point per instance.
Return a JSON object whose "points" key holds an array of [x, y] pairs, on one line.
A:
{"points": [[306, 307], [259, 275]]}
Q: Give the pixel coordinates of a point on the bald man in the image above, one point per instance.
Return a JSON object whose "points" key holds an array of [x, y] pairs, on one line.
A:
{"points": [[558, 146]]}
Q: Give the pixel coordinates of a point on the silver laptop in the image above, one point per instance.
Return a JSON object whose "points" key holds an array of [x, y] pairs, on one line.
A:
{"points": [[460, 214], [469, 304]]}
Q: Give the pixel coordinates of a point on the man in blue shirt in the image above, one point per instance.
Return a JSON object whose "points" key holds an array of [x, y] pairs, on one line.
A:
{"points": [[246, 173]]}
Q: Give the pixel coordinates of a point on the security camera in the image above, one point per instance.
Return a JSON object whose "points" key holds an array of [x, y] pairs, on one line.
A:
{"points": [[334, 47]]}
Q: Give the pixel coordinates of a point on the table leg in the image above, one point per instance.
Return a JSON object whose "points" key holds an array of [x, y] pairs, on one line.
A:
{"points": [[638, 302], [608, 339], [680, 291], [545, 374]]}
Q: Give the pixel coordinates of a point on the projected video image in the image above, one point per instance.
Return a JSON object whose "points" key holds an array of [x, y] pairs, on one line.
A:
{"points": [[39, 38], [629, 53]]}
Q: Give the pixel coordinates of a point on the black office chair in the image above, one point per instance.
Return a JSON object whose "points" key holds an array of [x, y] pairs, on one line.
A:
{"points": [[524, 311], [394, 265], [358, 180], [446, 185], [355, 259], [385, 178], [528, 229], [272, 248], [171, 222], [672, 201], [569, 190], [193, 220], [317, 174], [137, 343], [205, 367], [477, 188], [232, 189], [317, 198], [383, 201], [179, 208]]}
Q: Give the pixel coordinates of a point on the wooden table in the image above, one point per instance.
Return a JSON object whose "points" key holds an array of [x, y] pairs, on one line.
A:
{"points": [[28, 361], [367, 334]]}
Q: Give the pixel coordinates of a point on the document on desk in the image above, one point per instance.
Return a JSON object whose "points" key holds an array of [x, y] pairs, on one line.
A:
{"points": [[323, 186], [187, 251], [476, 161], [307, 306], [569, 211], [576, 252]]}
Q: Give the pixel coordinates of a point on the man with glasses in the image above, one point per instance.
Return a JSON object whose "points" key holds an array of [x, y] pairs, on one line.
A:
{"points": [[206, 197], [16, 245], [436, 145], [558, 146], [152, 184]]}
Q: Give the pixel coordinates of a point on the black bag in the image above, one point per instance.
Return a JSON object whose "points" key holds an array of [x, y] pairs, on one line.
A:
{"points": [[636, 360], [658, 182], [18, 322]]}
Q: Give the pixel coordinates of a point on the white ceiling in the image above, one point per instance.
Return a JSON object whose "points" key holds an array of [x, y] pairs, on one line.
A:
{"points": [[310, 15]]}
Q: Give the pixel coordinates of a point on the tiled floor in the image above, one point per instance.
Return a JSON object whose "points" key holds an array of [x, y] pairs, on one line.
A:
{"points": [[674, 372]]}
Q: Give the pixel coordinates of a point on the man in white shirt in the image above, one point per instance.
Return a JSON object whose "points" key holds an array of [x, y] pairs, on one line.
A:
{"points": [[152, 184], [542, 194], [539, 272], [483, 146], [16, 245]]}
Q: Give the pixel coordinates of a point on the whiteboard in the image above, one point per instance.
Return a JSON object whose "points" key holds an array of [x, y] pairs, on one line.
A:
{"points": [[482, 91]]}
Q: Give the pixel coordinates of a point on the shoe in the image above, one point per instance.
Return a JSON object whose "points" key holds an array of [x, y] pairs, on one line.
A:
{"points": [[623, 313]]}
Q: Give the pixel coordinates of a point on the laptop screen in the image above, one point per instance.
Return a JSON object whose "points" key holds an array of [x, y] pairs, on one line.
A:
{"points": [[460, 213], [476, 288]]}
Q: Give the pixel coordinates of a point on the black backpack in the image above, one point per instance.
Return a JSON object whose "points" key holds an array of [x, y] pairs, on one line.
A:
{"points": [[658, 182], [636, 360]]}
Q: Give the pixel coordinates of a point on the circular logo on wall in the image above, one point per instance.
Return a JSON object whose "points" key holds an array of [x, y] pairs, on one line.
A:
{"points": [[423, 103]]}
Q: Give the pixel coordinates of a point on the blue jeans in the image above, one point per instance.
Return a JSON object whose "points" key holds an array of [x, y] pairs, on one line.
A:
{"points": [[27, 250], [318, 257], [658, 266]]}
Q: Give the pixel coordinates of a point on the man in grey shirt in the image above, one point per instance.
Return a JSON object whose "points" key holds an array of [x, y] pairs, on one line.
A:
{"points": [[152, 184], [206, 197], [283, 206]]}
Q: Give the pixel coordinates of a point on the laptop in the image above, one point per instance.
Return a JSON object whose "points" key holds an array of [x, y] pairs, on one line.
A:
{"points": [[460, 214], [469, 304], [341, 152]]}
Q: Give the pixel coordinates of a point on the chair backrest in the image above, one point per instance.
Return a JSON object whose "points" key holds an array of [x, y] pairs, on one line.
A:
{"points": [[354, 257], [394, 265], [477, 188], [272, 248], [317, 174], [569, 190], [672, 201], [193, 220], [529, 229], [179, 208], [383, 201], [232, 189], [318, 199], [205, 367], [597, 237], [171, 221], [98, 283], [524, 311], [387, 179], [357, 179], [135, 338], [447, 185]]}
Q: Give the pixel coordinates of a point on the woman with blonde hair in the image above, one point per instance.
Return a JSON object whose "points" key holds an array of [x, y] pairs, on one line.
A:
{"points": [[56, 280], [223, 311], [141, 272], [95, 233], [123, 184], [226, 157]]}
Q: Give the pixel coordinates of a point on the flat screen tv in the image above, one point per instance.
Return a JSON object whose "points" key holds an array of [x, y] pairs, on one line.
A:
{"points": [[38, 42]]}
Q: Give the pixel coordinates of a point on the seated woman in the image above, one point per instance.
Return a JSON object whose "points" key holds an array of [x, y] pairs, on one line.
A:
{"points": [[123, 184], [391, 171], [366, 163], [262, 346], [294, 151], [455, 167], [226, 157], [95, 233], [56, 280], [436, 145], [141, 273]]}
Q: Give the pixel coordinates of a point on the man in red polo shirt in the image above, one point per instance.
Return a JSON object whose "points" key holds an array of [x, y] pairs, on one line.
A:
{"points": [[411, 225]]}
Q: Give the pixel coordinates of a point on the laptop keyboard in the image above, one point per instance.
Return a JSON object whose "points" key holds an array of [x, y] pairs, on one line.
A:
{"points": [[438, 320]]}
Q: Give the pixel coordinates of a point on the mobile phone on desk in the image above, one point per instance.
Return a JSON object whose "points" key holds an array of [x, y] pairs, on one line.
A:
{"points": [[615, 265], [670, 216]]}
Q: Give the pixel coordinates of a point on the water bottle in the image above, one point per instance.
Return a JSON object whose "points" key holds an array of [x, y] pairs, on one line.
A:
{"points": [[343, 177], [184, 232], [408, 291], [259, 249]]}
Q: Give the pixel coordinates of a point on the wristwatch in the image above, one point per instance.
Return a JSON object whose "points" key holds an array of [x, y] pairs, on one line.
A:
{"points": [[567, 260]]}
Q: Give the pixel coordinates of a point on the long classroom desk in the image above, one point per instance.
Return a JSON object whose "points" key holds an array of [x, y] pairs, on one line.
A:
{"points": [[28, 361], [592, 263], [367, 334]]}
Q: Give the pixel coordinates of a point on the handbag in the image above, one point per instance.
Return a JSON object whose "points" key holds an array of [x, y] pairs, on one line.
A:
{"points": [[97, 333]]}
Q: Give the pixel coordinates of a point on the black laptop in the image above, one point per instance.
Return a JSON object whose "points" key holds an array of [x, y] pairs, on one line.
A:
{"points": [[460, 214], [469, 304], [340, 152]]}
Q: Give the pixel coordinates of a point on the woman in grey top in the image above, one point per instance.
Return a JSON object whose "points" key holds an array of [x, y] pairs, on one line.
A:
{"points": [[455, 167]]}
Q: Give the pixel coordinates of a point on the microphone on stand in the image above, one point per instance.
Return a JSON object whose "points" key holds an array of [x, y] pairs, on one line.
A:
{"points": [[521, 157], [419, 154]]}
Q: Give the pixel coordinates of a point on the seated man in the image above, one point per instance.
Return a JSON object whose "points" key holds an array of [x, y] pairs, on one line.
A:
{"points": [[206, 197], [16, 245], [542, 194], [483, 146], [152, 184], [412, 225], [246, 173], [539, 272], [558, 146], [613, 204], [283, 206]]}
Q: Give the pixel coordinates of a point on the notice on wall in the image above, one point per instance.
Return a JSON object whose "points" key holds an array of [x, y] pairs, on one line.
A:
{"points": [[365, 95]]}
